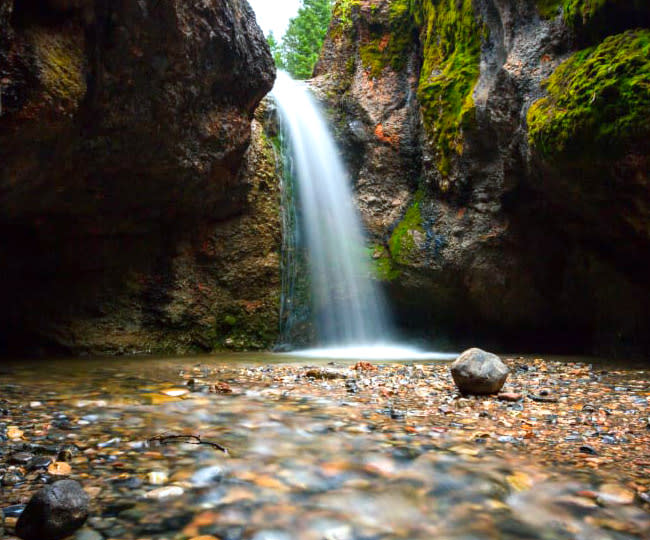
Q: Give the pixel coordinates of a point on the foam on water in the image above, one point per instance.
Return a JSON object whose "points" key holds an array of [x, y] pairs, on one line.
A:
{"points": [[373, 352]]}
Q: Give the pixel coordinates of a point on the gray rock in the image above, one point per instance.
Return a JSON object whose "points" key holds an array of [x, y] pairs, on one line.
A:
{"points": [[479, 372], [53, 513], [88, 534]]}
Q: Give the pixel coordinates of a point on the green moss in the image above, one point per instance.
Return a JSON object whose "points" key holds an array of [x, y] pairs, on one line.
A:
{"points": [[389, 48], [598, 100], [594, 19], [451, 39], [383, 267], [342, 15], [402, 241], [549, 8], [60, 60]]}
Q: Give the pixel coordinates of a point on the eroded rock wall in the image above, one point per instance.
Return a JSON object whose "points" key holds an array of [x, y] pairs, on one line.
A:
{"points": [[135, 212], [507, 194]]}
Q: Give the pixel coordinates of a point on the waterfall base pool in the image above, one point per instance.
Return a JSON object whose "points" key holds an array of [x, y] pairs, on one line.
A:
{"points": [[321, 450], [373, 352]]}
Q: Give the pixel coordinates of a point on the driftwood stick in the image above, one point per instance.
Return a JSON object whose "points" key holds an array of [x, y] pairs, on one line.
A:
{"points": [[169, 438]]}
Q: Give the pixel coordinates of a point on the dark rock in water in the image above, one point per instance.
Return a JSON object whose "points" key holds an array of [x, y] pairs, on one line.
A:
{"points": [[479, 372], [40, 462], [54, 512], [20, 458]]}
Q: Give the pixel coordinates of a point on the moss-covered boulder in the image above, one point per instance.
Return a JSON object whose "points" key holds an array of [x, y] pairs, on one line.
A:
{"points": [[598, 103]]}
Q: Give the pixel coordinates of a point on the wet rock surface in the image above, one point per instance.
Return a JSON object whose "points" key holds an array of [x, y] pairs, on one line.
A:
{"points": [[404, 456], [54, 512], [479, 372], [481, 236], [129, 182]]}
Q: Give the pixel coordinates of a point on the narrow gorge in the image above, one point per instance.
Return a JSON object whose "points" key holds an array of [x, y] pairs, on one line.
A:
{"points": [[499, 153]]}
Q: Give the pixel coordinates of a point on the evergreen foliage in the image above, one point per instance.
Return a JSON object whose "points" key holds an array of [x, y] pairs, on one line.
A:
{"points": [[303, 40], [276, 50]]}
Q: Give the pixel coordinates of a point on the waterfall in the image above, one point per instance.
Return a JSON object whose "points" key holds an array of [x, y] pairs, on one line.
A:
{"points": [[347, 305], [327, 275]]}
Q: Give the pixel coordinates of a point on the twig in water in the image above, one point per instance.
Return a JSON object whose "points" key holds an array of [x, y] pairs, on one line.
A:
{"points": [[166, 438]]}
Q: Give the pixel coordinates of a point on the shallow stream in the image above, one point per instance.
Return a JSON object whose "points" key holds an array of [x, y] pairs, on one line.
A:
{"points": [[328, 452]]}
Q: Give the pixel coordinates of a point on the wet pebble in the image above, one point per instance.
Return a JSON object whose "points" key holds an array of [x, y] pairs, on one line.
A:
{"points": [[609, 494], [13, 511], [157, 478], [88, 534], [54, 512], [40, 462], [165, 492], [21, 458]]}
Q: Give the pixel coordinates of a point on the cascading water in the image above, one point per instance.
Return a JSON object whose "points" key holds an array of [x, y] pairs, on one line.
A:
{"points": [[348, 307], [321, 226]]}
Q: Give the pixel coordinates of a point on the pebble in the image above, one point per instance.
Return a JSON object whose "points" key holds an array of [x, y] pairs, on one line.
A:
{"points": [[59, 468], [175, 392], [165, 492], [157, 478], [207, 476], [20, 458], [87, 534], [510, 396], [13, 511], [326, 374], [609, 494], [40, 462]]}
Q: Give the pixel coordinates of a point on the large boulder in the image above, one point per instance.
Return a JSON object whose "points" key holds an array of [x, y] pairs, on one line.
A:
{"points": [[136, 210], [478, 372], [55, 512]]}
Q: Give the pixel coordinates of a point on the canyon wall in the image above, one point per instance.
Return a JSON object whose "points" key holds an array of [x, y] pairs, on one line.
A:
{"points": [[137, 212], [500, 152]]}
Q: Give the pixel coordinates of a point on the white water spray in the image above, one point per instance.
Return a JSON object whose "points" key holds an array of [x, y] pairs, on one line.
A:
{"points": [[348, 308]]}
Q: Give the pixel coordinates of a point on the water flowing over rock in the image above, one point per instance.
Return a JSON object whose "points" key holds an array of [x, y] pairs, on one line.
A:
{"points": [[494, 215], [348, 308], [136, 215]]}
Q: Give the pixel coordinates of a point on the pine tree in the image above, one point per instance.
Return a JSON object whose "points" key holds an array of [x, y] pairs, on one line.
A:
{"points": [[303, 40], [276, 50]]}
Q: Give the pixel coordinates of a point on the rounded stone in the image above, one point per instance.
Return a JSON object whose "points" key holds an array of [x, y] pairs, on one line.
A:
{"points": [[478, 372], [54, 512]]}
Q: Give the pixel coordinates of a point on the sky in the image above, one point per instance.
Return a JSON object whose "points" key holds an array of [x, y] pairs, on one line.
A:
{"points": [[274, 15]]}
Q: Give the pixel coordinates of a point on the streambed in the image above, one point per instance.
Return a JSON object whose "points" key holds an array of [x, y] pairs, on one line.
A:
{"points": [[330, 451]]}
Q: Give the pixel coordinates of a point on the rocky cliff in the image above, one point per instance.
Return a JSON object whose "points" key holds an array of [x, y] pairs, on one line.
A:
{"points": [[500, 150], [135, 212]]}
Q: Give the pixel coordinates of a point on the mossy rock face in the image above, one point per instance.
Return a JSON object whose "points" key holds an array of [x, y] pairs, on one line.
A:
{"points": [[403, 242], [598, 103], [391, 47], [451, 39], [592, 20]]}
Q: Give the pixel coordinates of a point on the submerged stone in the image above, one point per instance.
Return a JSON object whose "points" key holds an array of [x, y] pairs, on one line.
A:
{"points": [[54, 512]]}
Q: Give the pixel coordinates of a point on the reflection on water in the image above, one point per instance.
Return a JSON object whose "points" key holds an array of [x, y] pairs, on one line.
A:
{"points": [[345, 455]]}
